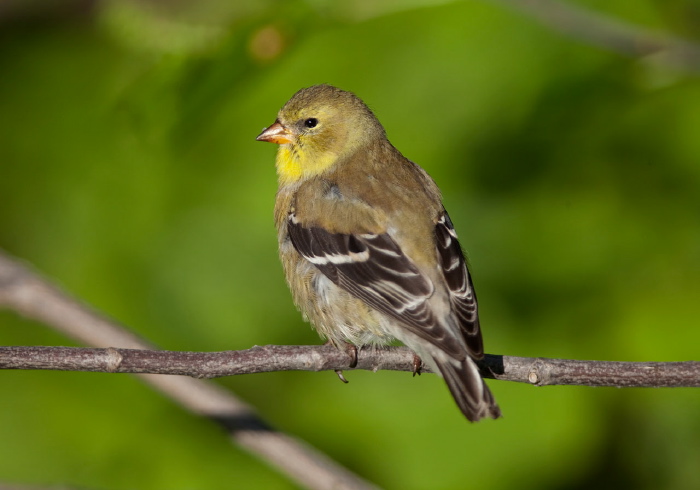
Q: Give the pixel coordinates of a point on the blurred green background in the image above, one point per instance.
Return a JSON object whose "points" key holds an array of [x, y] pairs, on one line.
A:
{"points": [[129, 173]]}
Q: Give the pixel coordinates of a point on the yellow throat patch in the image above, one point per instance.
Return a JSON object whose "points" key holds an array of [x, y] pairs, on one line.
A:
{"points": [[293, 164]]}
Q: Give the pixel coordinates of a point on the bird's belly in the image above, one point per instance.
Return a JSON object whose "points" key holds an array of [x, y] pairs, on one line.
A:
{"points": [[336, 314]]}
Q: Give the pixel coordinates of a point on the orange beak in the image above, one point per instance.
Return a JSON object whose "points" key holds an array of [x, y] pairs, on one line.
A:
{"points": [[276, 134]]}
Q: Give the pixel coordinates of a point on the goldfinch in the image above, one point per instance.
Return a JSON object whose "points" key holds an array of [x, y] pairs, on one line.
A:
{"points": [[367, 247]]}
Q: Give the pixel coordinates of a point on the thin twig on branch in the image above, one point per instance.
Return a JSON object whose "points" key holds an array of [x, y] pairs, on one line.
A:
{"points": [[594, 28], [29, 294], [537, 371]]}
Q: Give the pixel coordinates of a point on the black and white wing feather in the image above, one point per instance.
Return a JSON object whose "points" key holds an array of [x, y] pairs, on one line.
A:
{"points": [[373, 267], [459, 282]]}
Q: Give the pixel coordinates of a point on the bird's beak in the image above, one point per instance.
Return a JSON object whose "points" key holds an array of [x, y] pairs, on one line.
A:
{"points": [[276, 134]]}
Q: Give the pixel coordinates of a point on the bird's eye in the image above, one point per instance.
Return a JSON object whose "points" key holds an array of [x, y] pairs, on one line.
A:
{"points": [[311, 122]]}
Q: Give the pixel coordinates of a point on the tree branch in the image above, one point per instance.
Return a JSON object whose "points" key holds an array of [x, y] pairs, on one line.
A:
{"points": [[594, 28], [537, 371], [27, 293]]}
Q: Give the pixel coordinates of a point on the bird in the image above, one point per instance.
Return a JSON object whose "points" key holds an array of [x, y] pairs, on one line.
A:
{"points": [[368, 250]]}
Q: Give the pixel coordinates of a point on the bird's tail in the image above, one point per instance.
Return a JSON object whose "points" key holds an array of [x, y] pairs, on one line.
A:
{"points": [[468, 389]]}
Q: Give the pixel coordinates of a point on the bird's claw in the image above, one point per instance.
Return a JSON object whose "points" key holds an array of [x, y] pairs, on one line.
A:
{"points": [[351, 350], [417, 365]]}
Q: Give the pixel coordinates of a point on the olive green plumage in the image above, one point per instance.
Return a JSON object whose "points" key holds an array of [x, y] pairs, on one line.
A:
{"points": [[367, 248]]}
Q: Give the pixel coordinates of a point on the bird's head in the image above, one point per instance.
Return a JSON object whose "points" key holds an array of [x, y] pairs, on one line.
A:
{"points": [[318, 127]]}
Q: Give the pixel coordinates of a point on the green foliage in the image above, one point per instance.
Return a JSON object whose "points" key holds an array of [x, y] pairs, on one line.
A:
{"points": [[129, 172]]}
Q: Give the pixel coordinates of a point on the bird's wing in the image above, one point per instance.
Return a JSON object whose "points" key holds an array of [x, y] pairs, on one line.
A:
{"points": [[459, 281], [373, 268]]}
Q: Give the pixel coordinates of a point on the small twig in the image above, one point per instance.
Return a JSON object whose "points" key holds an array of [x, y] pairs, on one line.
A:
{"points": [[537, 371], [594, 28]]}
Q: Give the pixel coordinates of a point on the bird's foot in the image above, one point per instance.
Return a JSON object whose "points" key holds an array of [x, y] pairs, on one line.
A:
{"points": [[351, 350], [417, 365]]}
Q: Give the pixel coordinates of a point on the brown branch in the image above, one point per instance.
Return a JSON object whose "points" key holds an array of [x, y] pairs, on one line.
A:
{"points": [[27, 293], [612, 34], [537, 371]]}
